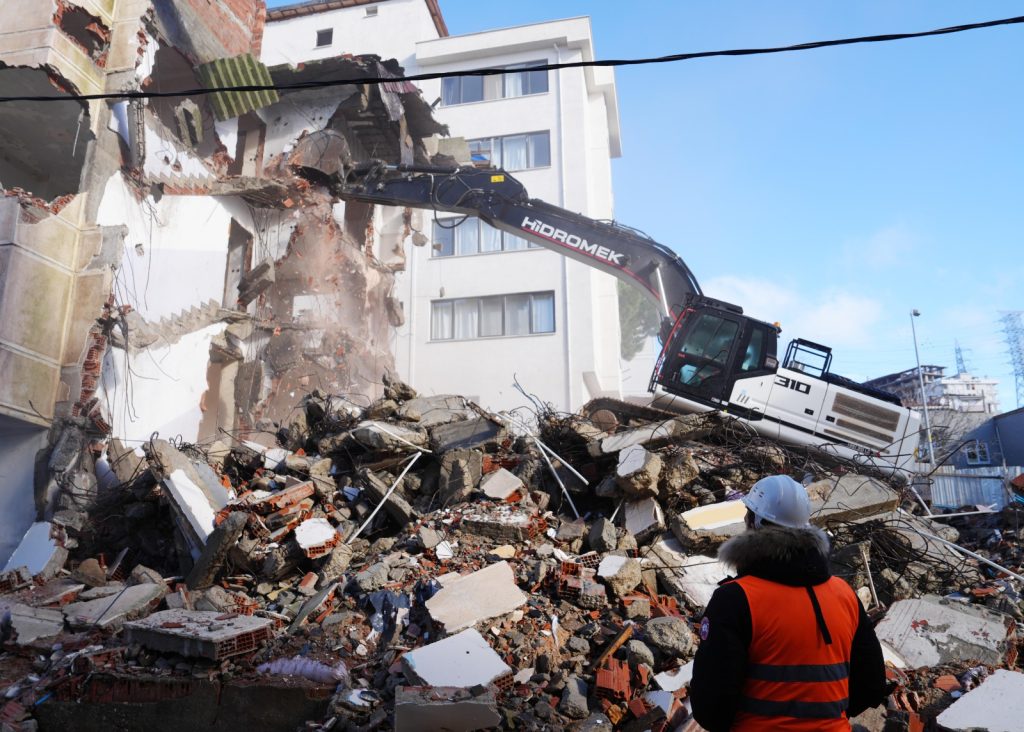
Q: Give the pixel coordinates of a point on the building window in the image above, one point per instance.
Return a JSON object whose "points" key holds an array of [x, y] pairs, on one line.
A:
{"points": [[371, 12], [324, 37], [521, 314], [524, 83], [462, 90], [473, 236], [465, 89], [512, 152], [976, 453]]}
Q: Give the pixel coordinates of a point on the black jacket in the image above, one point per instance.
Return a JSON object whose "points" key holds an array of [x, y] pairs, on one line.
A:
{"points": [[797, 558]]}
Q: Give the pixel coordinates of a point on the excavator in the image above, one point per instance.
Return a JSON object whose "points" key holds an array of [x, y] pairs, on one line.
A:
{"points": [[713, 357]]}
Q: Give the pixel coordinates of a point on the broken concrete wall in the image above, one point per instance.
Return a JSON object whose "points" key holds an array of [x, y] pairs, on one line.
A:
{"points": [[180, 265]]}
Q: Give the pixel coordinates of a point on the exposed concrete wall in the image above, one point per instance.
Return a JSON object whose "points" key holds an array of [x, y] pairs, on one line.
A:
{"points": [[159, 389]]}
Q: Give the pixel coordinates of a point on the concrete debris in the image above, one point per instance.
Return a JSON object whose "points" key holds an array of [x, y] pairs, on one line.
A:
{"points": [[460, 590], [930, 631], [427, 709], [105, 612], [198, 633], [500, 485], [996, 705], [644, 519], [33, 623], [464, 660], [621, 574], [482, 595], [638, 472]]}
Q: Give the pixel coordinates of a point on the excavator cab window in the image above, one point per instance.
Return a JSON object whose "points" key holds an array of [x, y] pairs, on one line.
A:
{"points": [[702, 355]]}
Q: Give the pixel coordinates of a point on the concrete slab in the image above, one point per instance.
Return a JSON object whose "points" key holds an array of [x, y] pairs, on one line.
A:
{"points": [[434, 410], [465, 434], [722, 518], [849, 498], [502, 523], [33, 623], [638, 436], [643, 518], [693, 578], [687, 427], [428, 709], [481, 595], [199, 633], [930, 630], [38, 551], [375, 435], [193, 503], [111, 612], [463, 660], [997, 705], [500, 484]]}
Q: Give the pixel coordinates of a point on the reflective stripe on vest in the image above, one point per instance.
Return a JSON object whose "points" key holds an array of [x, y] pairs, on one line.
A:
{"points": [[798, 672]]}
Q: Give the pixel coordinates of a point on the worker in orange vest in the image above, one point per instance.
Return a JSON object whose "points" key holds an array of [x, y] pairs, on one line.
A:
{"points": [[784, 645]]}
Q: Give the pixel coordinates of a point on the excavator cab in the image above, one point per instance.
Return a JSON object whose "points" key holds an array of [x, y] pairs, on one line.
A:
{"points": [[711, 345]]}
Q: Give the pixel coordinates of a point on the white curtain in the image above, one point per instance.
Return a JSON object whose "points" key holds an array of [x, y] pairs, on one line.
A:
{"points": [[450, 91], [540, 150], [490, 238], [542, 318], [491, 316], [514, 243], [467, 235], [514, 84], [517, 315], [467, 314], [513, 153], [441, 321]]}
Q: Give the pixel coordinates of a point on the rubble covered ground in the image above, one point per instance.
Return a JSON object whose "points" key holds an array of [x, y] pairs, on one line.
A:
{"points": [[421, 564]]}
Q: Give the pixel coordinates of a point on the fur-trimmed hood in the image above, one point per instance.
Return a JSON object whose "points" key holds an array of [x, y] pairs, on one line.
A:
{"points": [[797, 557]]}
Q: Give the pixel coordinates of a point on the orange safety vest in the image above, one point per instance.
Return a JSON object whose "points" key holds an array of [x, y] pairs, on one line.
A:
{"points": [[798, 674]]}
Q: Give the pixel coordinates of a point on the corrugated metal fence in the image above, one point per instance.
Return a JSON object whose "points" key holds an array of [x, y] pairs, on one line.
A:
{"points": [[955, 487]]}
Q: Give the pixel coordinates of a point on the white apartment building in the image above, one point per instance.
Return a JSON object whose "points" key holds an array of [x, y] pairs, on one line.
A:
{"points": [[483, 308], [965, 393]]}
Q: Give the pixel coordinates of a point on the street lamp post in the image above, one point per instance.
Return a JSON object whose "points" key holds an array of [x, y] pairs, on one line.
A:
{"points": [[924, 397]]}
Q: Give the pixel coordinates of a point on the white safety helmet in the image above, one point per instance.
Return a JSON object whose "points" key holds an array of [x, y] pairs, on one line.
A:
{"points": [[781, 500]]}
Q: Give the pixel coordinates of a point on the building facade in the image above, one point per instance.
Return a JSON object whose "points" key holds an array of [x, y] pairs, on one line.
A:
{"points": [[485, 310]]}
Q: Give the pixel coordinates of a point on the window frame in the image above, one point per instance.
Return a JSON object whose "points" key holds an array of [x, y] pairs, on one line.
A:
{"points": [[497, 142], [502, 86], [543, 298], [976, 452], [330, 38]]}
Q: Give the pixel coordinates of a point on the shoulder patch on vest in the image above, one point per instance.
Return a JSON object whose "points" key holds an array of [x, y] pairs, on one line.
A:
{"points": [[705, 628]]}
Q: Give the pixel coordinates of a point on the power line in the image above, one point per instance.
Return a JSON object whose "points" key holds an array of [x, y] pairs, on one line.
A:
{"points": [[296, 86]]}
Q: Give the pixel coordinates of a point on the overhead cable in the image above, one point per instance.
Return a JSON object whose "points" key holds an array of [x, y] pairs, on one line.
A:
{"points": [[319, 84]]}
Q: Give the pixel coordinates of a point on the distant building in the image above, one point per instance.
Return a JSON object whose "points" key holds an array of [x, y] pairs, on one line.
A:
{"points": [[484, 309], [956, 404], [906, 385]]}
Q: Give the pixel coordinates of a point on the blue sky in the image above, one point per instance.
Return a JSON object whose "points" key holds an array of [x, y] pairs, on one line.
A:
{"points": [[831, 190]]}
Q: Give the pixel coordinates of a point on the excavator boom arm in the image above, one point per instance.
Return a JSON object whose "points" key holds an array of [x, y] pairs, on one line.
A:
{"points": [[499, 199]]}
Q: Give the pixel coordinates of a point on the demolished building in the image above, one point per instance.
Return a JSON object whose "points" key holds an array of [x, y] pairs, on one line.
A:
{"points": [[238, 521], [176, 265]]}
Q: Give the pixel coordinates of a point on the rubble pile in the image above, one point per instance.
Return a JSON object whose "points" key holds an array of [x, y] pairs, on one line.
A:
{"points": [[422, 564]]}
